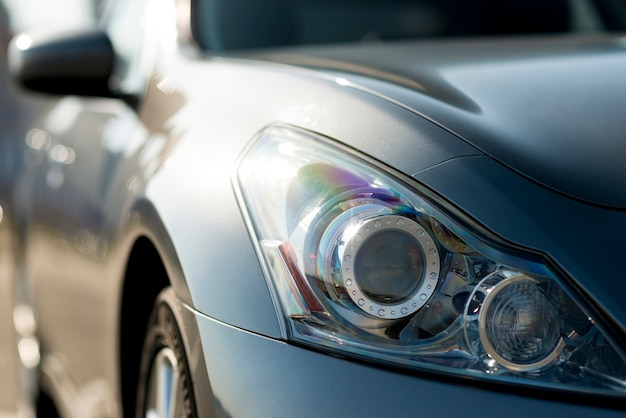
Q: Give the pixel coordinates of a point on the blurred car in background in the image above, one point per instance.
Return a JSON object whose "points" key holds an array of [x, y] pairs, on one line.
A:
{"points": [[17, 115], [18, 111], [12, 116], [325, 208]]}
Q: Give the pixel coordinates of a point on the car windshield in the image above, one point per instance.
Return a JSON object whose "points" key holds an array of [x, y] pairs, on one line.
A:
{"points": [[225, 25]]}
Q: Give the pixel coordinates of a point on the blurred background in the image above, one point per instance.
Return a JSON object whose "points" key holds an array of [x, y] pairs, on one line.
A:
{"points": [[15, 107], [17, 117]]}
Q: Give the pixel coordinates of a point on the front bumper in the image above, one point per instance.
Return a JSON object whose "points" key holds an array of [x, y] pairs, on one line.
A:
{"points": [[254, 376]]}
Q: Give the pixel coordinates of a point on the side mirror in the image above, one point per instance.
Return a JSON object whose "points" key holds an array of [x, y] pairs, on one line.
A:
{"points": [[77, 63]]}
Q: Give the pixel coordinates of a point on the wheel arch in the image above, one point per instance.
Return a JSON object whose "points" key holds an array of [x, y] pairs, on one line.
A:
{"points": [[144, 279], [137, 300], [151, 266]]}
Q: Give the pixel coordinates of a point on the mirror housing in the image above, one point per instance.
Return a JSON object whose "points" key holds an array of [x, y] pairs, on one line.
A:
{"points": [[67, 63]]}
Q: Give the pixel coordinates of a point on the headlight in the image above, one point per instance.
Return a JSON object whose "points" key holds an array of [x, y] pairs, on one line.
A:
{"points": [[366, 264]]}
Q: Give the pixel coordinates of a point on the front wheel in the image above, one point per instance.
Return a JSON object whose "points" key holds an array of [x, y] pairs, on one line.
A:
{"points": [[165, 385]]}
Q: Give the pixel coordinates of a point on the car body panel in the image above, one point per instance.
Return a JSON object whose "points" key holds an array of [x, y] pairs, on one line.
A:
{"points": [[280, 378], [517, 100]]}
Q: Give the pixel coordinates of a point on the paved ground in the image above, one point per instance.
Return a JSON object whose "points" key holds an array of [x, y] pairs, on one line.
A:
{"points": [[8, 364]]}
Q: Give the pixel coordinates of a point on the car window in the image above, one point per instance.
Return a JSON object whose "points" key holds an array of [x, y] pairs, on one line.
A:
{"points": [[224, 25]]}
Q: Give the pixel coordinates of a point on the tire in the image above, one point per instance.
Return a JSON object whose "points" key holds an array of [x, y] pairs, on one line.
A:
{"points": [[165, 385], [45, 407]]}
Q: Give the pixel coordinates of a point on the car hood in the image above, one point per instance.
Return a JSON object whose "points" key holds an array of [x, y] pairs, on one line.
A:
{"points": [[551, 108]]}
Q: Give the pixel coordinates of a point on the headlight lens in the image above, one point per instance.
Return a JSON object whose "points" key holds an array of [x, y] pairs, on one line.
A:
{"points": [[362, 263]]}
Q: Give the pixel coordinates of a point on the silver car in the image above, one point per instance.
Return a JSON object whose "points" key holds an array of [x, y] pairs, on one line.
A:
{"points": [[298, 208]]}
